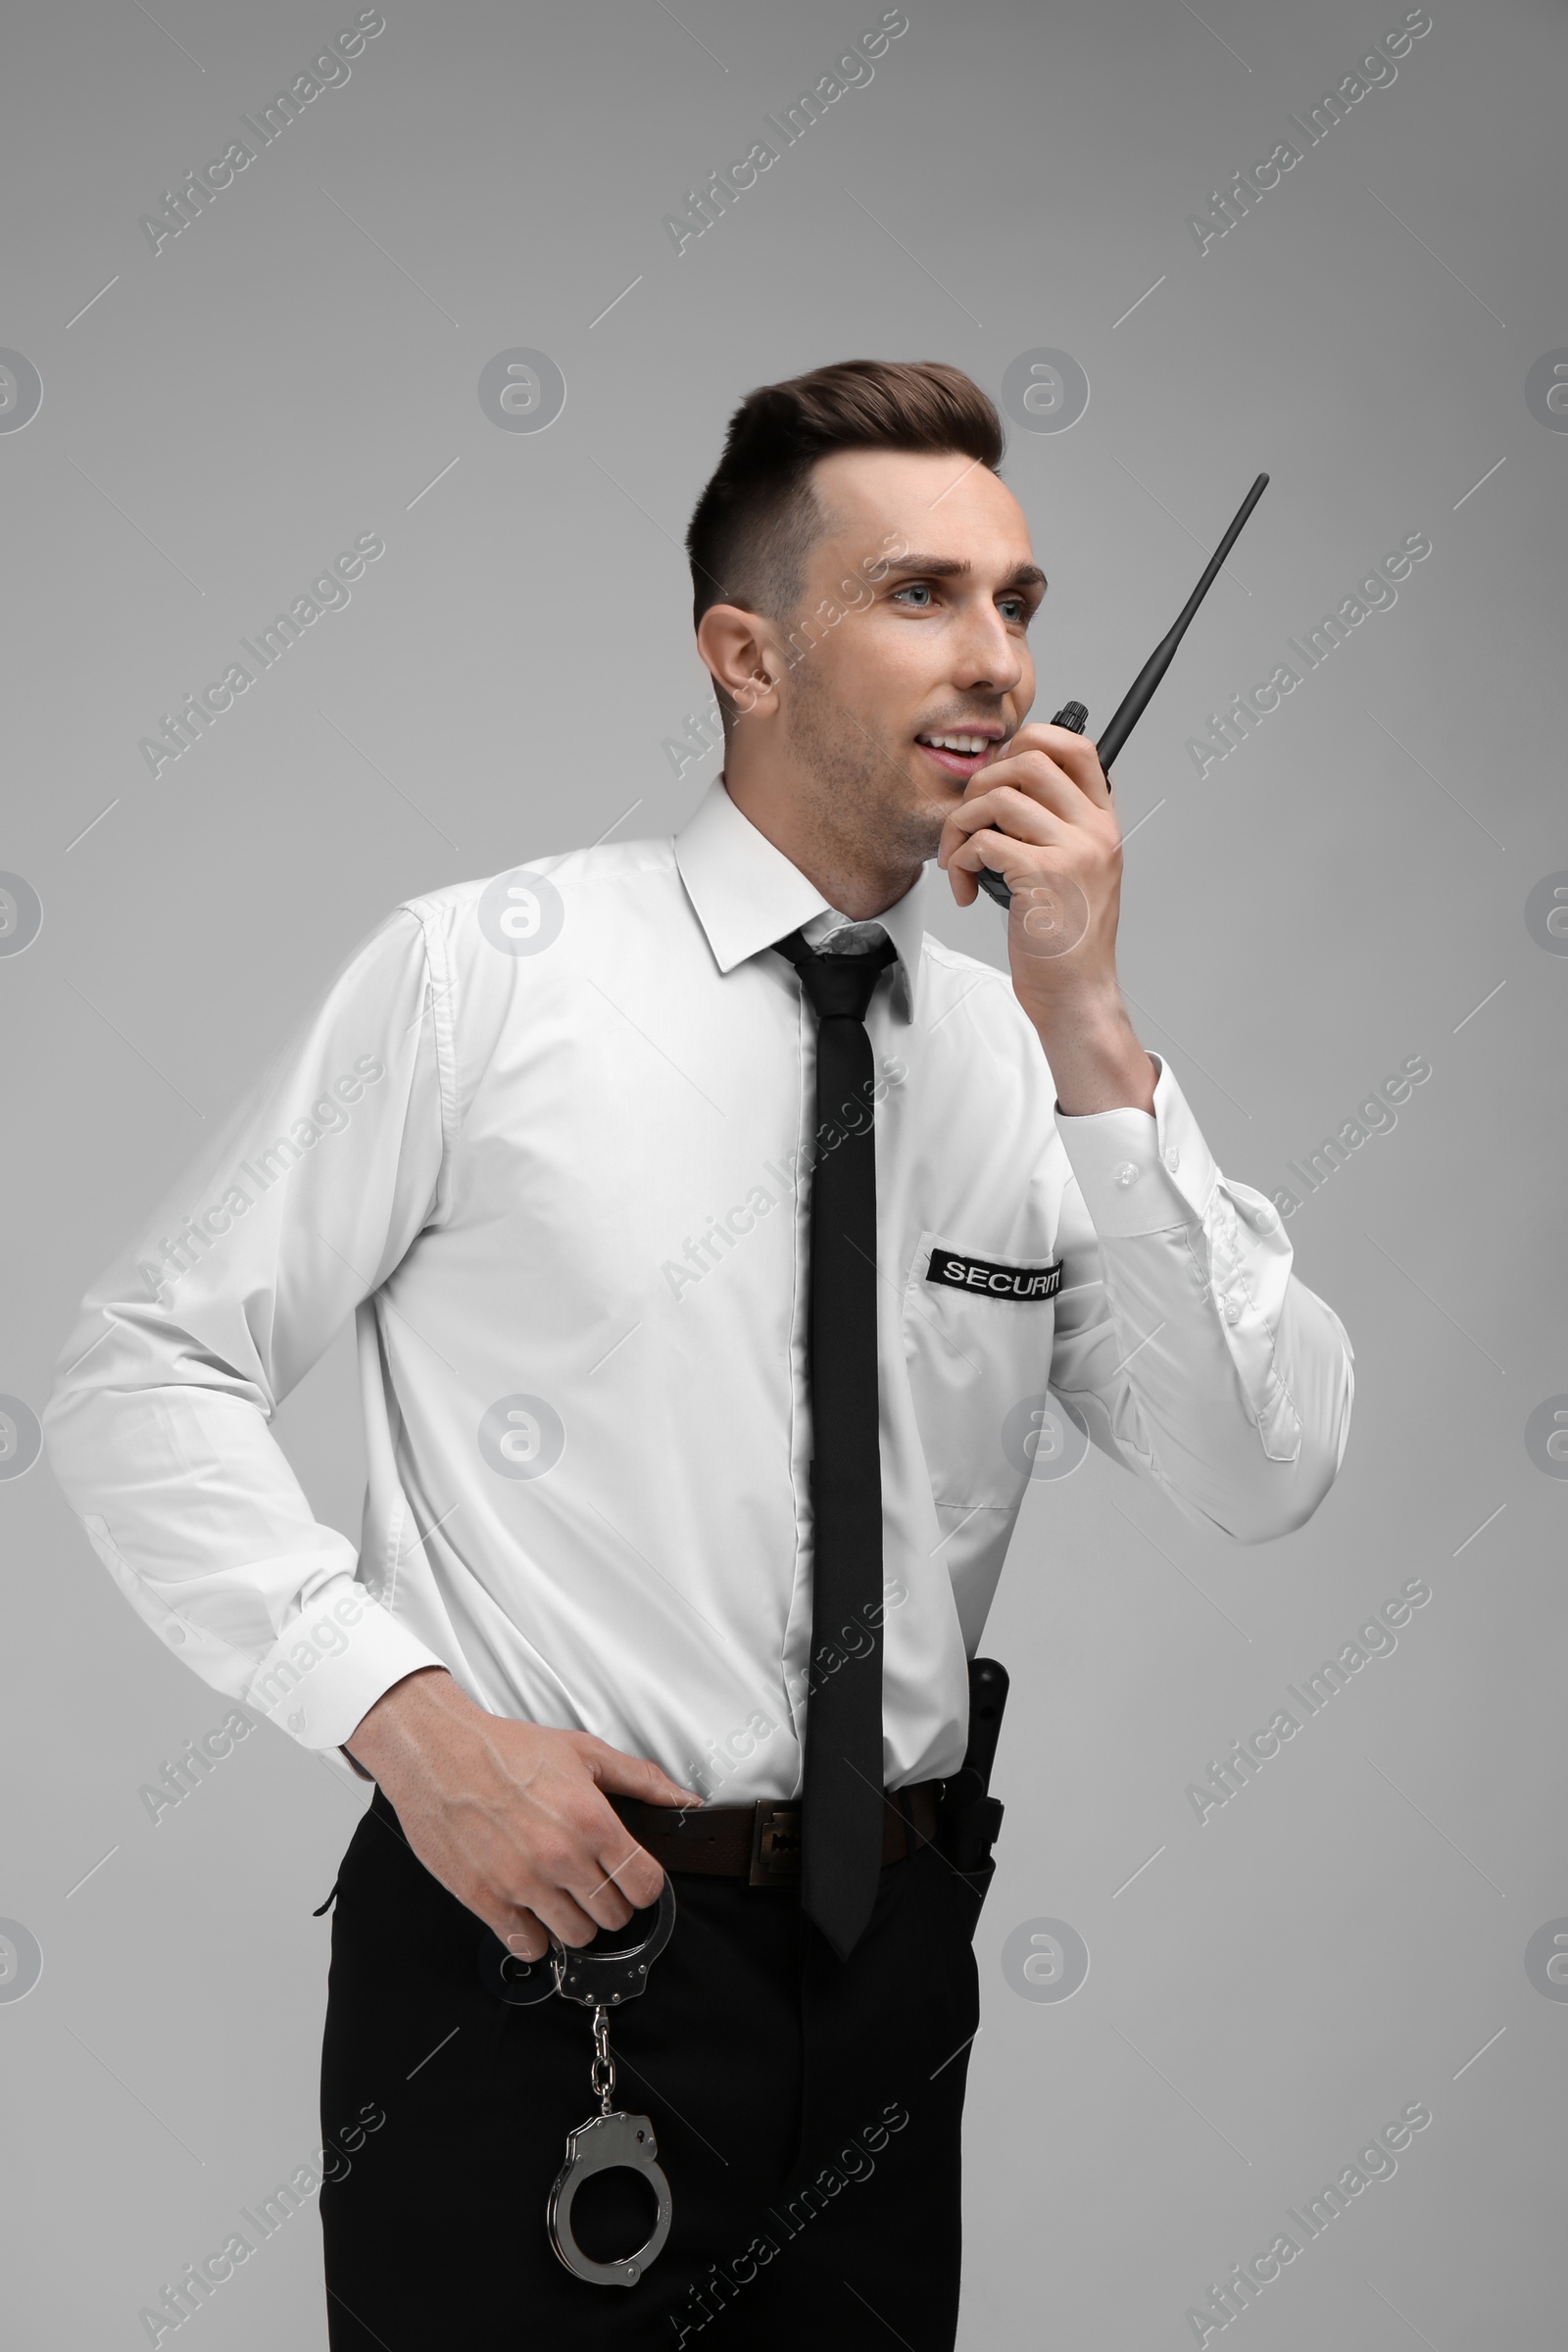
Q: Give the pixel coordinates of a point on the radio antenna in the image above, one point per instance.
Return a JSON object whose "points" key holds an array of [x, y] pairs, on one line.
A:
{"points": [[1134, 703]]}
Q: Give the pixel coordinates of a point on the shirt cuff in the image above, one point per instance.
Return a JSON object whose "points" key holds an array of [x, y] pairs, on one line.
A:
{"points": [[1140, 1173], [340, 1654]]}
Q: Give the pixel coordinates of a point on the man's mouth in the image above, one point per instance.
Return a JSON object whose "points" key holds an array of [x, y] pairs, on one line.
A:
{"points": [[963, 751]]}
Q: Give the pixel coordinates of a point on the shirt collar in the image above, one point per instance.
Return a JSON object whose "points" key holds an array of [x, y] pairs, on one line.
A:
{"points": [[747, 894]]}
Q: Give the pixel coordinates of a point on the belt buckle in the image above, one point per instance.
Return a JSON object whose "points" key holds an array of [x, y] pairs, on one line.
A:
{"points": [[775, 1845]]}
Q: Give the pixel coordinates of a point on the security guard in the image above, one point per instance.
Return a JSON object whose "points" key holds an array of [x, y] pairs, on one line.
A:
{"points": [[722, 1249]]}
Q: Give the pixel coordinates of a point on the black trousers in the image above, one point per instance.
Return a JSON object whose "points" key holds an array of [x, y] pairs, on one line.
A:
{"points": [[807, 2114]]}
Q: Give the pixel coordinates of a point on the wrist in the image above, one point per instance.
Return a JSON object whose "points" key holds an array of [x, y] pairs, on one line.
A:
{"points": [[398, 1729], [1095, 1060]]}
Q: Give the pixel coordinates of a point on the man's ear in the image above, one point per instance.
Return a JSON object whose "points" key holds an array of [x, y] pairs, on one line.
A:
{"points": [[736, 649]]}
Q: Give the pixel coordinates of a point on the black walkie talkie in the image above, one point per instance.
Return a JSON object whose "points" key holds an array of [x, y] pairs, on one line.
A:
{"points": [[1131, 707]]}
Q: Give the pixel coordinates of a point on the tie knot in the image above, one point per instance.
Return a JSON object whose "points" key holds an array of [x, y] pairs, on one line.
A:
{"points": [[839, 986]]}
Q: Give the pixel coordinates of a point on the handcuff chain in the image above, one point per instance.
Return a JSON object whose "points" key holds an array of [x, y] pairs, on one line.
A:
{"points": [[602, 2073], [608, 2141]]}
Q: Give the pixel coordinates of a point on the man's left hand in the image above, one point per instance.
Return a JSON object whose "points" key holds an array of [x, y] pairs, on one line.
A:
{"points": [[1042, 818]]}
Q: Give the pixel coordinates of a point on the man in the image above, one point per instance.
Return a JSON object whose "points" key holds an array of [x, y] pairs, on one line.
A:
{"points": [[700, 1401]]}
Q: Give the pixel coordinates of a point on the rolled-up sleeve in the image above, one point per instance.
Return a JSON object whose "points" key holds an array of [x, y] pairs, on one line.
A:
{"points": [[159, 1425], [1182, 1336]]}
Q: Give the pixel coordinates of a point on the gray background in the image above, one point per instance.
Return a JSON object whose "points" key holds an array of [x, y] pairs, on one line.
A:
{"points": [[1346, 1935]]}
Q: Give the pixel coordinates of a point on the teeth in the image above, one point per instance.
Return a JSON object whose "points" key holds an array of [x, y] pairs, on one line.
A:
{"points": [[968, 744]]}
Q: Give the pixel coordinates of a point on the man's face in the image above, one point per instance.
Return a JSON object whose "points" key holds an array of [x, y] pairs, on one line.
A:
{"points": [[928, 673]]}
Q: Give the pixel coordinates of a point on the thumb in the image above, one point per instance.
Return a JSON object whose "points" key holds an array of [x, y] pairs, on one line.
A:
{"points": [[636, 1776]]}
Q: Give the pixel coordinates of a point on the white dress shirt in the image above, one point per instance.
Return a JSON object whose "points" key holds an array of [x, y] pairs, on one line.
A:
{"points": [[545, 1137]]}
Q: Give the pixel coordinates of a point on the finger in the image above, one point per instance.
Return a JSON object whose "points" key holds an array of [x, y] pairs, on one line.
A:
{"points": [[581, 1862], [559, 1910], [985, 808], [1006, 810], [597, 1862], [521, 1931], [1029, 816], [630, 1870], [520, 1928], [1002, 854], [603, 1901], [634, 1775], [1068, 774], [618, 1860], [1040, 778], [1074, 753], [616, 1878], [958, 855]]}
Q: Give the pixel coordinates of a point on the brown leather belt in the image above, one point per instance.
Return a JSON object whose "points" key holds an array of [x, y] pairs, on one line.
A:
{"points": [[762, 1842]]}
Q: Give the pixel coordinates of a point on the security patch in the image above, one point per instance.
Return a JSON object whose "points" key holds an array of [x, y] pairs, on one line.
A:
{"points": [[991, 1280]]}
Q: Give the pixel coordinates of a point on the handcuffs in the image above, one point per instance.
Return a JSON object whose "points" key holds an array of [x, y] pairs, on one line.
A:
{"points": [[612, 2138]]}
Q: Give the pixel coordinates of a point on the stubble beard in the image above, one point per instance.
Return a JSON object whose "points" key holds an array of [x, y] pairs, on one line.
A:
{"points": [[864, 807]]}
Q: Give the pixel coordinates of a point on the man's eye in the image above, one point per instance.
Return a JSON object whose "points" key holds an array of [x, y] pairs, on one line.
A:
{"points": [[915, 588], [1014, 607]]}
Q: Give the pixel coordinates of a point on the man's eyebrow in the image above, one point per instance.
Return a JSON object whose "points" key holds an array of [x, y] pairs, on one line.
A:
{"points": [[948, 567]]}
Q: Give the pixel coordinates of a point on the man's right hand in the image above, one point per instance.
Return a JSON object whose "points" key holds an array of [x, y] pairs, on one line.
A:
{"points": [[514, 1819]]}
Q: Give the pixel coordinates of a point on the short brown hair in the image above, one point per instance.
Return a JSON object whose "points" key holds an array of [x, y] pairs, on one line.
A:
{"points": [[757, 519]]}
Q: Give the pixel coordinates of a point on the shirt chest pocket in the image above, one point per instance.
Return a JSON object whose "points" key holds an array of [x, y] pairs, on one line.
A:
{"points": [[977, 1344]]}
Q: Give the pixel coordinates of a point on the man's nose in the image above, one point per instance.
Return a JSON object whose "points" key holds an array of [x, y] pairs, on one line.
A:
{"points": [[988, 658]]}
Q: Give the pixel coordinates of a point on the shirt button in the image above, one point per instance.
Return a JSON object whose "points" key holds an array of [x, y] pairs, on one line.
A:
{"points": [[177, 1633], [1126, 1174], [1233, 1313], [1173, 1160]]}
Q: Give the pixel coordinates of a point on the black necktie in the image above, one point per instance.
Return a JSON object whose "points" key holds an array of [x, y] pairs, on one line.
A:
{"points": [[841, 1813]]}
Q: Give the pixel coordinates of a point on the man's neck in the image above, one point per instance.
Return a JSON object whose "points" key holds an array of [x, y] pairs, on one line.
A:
{"points": [[850, 879]]}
